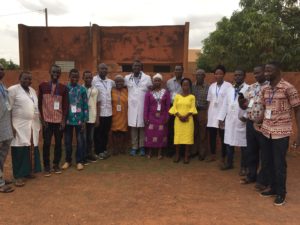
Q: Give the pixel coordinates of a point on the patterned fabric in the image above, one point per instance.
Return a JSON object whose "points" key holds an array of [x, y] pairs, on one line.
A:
{"points": [[119, 118], [5, 118], [48, 94], [156, 132], [255, 109], [200, 92], [78, 98], [278, 104]]}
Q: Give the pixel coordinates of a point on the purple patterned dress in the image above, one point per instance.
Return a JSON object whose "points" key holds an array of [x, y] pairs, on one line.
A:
{"points": [[156, 107]]}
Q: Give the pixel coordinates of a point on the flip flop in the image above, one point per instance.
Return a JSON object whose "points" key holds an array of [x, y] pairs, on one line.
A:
{"points": [[6, 189], [8, 182], [19, 183]]}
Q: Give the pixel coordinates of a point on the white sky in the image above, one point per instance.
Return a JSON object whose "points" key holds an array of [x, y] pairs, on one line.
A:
{"points": [[202, 15]]}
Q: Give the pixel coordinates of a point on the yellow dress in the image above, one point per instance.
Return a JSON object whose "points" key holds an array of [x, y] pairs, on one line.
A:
{"points": [[184, 131]]}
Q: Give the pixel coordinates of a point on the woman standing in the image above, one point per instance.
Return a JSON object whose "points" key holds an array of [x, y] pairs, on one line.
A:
{"points": [[156, 107], [119, 125], [184, 108], [26, 127]]}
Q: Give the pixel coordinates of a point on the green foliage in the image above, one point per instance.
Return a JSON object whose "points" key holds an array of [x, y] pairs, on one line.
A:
{"points": [[9, 65], [261, 31]]}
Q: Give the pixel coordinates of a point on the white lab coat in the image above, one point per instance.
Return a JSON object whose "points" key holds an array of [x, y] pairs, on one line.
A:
{"points": [[235, 129], [136, 98]]}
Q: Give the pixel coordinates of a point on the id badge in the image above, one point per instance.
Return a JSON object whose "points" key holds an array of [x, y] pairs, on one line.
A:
{"points": [[73, 109], [36, 110], [56, 105], [7, 105], [268, 114], [119, 108], [251, 103], [158, 107]]}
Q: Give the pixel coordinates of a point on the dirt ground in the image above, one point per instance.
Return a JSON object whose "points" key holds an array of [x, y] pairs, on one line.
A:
{"points": [[135, 190]]}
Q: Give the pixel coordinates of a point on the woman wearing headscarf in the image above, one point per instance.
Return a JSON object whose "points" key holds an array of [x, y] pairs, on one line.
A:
{"points": [[26, 127], [156, 107]]}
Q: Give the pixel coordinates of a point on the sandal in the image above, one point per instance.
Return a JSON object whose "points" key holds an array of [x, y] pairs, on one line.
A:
{"points": [[246, 181], [159, 157], [6, 189], [19, 183]]}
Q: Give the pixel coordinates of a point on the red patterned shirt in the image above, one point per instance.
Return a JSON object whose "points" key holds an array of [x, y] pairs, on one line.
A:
{"points": [[278, 102]]}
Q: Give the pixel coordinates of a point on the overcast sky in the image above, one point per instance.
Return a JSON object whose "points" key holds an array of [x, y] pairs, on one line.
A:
{"points": [[202, 15]]}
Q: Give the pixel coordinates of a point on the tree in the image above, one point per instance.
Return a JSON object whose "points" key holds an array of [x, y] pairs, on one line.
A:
{"points": [[9, 65], [259, 32]]}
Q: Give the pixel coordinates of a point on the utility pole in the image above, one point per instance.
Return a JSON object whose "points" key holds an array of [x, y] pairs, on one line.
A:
{"points": [[46, 16]]}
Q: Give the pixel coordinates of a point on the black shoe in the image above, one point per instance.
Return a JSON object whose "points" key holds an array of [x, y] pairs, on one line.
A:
{"points": [[85, 162], [92, 158], [260, 187], [268, 193], [279, 200], [227, 167], [47, 173], [56, 169]]}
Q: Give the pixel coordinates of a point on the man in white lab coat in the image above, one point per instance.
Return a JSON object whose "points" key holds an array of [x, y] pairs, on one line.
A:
{"points": [[137, 83], [235, 128]]}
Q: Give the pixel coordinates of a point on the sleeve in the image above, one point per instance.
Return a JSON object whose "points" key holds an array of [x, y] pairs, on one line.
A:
{"points": [[209, 94], [193, 109], [85, 106], [40, 101], [167, 105], [146, 106], [293, 96], [98, 95], [173, 109], [223, 112], [65, 102], [11, 95], [149, 83]]}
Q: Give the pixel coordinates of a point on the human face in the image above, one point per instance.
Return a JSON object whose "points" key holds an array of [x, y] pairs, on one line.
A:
{"points": [[239, 77], [136, 68], [259, 74], [156, 83], [271, 72], [74, 78], [219, 75], [2, 73], [88, 77], [178, 71], [185, 87], [200, 76], [25, 80], [102, 70], [55, 73], [119, 83]]}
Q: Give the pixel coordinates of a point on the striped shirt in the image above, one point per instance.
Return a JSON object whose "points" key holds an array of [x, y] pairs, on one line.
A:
{"points": [[53, 102]]}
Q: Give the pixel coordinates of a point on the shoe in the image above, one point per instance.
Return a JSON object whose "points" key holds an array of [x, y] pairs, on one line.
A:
{"points": [[212, 158], [260, 187], [56, 169], [279, 200], [159, 157], [269, 193], [133, 152], [85, 163], [176, 160], [186, 161], [101, 156], [79, 166], [19, 183], [66, 165], [47, 173], [227, 167], [106, 154], [30, 176], [246, 181], [142, 152], [243, 172], [92, 158]]}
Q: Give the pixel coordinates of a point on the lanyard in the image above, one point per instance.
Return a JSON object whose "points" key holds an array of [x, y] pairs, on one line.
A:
{"points": [[74, 93], [136, 81], [271, 96], [218, 90], [56, 89], [158, 95], [236, 91], [29, 95], [3, 91], [104, 84], [119, 96]]}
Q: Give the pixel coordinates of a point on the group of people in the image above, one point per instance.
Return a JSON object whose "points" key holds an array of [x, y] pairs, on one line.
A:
{"points": [[176, 119]]}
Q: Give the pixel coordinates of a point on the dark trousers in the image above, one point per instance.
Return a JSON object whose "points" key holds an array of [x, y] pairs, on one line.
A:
{"points": [[69, 140], [89, 139], [171, 148], [254, 155], [275, 150], [48, 132], [212, 131], [101, 134], [230, 156]]}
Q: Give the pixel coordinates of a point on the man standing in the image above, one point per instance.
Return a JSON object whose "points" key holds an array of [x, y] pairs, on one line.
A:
{"points": [[137, 83], [104, 86], [200, 90], [216, 94], [235, 129], [174, 87], [255, 111], [279, 98], [53, 106], [6, 133]]}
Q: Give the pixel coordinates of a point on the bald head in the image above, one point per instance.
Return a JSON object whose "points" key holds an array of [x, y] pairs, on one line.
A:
{"points": [[102, 70]]}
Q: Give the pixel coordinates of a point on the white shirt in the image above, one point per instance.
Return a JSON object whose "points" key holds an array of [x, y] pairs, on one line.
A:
{"points": [[136, 97], [235, 129], [215, 97], [93, 95], [104, 87]]}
